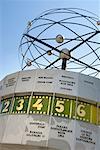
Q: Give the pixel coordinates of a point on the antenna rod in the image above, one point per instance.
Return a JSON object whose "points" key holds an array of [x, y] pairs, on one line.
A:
{"points": [[64, 60]]}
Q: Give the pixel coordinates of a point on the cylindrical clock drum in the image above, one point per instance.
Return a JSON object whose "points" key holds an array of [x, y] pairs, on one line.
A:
{"points": [[49, 110]]}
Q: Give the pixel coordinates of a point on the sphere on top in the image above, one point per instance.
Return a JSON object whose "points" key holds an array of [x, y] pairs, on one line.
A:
{"points": [[65, 53]]}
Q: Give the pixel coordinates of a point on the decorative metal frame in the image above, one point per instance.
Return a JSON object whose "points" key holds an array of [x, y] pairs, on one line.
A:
{"points": [[78, 31]]}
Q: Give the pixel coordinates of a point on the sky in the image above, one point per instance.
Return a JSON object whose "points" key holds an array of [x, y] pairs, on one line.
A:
{"points": [[14, 15]]}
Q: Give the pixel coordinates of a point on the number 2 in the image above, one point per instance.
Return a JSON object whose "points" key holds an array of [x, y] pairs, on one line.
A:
{"points": [[6, 106]]}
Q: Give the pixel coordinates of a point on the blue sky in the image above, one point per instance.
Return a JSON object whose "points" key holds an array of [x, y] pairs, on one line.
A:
{"points": [[14, 15]]}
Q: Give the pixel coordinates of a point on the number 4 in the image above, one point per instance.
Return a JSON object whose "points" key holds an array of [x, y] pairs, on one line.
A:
{"points": [[38, 104]]}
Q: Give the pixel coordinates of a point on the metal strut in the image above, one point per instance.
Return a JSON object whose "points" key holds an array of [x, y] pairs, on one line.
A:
{"points": [[51, 47]]}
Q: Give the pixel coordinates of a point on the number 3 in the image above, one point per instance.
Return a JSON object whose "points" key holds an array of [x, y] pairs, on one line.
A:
{"points": [[20, 105]]}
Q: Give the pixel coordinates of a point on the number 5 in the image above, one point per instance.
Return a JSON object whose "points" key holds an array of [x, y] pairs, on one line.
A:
{"points": [[60, 106]]}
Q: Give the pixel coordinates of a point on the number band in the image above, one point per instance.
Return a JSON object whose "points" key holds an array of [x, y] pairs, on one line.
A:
{"points": [[48, 105]]}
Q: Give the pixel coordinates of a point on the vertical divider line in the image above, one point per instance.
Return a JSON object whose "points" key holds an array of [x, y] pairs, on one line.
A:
{"points": [[75, 121], [49, 105], [29, 102], [31, 94], [97, 121], [76, 105], [70, 113], [91, 114], [52, 103]]}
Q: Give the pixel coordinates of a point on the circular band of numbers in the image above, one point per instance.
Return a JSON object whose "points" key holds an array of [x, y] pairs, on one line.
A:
{"points": [[43, 104]]}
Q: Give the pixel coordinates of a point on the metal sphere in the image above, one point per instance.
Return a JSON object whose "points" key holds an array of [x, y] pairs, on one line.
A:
{"points": [[59, 38], [65, 53]]}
